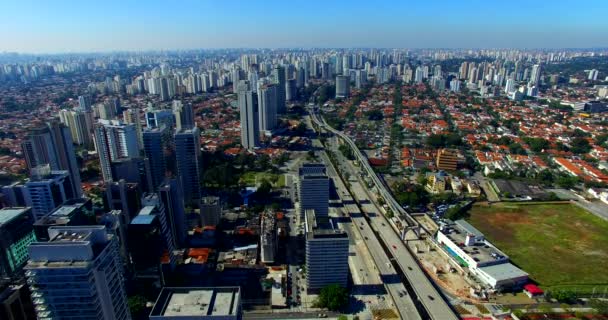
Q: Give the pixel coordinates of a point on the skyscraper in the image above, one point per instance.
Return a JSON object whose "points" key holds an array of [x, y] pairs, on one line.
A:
{"points": [[342, 86], [313, 189], [131, 116], [173, 202], [77, 275], [84, 102], [53, 145], [184, 115], [419, 75], [155, 152], [76, 120], [278, 76], [267, 102], [291, 90], [188, 157], [326, 253], [537, 69], [114, 140], [248, 107]]}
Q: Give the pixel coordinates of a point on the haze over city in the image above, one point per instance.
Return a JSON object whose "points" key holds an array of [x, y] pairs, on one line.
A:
{"points": [[34, 26]]}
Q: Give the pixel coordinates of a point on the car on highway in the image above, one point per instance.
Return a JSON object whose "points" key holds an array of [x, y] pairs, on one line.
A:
{"points": [[395, 247], [431, 297]]}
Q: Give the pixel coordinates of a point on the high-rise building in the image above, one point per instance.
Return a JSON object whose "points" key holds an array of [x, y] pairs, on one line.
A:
{"points": [[188, 161], [131, 116], [184, 115], [326, 253], [84, 102], [77, 275], [342, 86], [16, 301], [16, 234], [455, 85], [248, 107], [267, 102], [291, 89], [510, 86], [123, 196], [53, 145], [79, 126], [133, 170], [158, 117], [537, 69], [152, 205], [210, 211], [47, 190], [419, 76], [278, 76], [313, 189], [154, 149], [75, 212], [360, 78], [593, 74], [114, 140], [173, 202]]}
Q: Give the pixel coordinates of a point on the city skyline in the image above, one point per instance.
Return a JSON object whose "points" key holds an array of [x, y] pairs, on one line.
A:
{"points": [[71, 26]]}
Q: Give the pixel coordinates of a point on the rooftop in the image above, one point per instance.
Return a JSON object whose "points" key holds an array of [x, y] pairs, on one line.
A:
{"points": [[321, 227], [187, 302], [8, 214]]}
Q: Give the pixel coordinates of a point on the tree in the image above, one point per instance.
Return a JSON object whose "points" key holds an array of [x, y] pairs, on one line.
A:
{"points": [[565, 296], [342, 317], [333, 297], [137, 306], [580, 145], [567, 182]]}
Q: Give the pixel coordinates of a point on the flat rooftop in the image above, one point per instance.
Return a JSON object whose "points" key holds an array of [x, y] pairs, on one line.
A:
{"points": [[188, 302], [481, 252], [8, 214], [321, 227]]}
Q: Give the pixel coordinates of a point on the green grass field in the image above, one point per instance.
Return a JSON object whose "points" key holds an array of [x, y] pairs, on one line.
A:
{"points": [[560, 245], [252, 178]]}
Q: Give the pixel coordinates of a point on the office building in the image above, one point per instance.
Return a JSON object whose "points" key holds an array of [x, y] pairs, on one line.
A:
{"points": [[16, 234], [291, 90], [268, 237], [152, 205], [145, 244], [158, 117], [52, 145], [248, 107], [360, 78], [173, 202], [267, 102], [342, 86], [154, 149], [313, 189], [510, 86], [124, 196], [222, 303], [210, 211], [278, 76], [76, 212], [47, 190], [114, 140], [188, 161], [326, 253], [184, 115], [15, 302], [133, 170], [77, 274]]}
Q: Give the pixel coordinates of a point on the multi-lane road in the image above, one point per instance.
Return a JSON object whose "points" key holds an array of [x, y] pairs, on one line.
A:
{"points": [[426, 293]]}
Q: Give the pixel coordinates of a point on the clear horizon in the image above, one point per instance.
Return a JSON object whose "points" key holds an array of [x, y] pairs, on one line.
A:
{"points": [[41, 27]]}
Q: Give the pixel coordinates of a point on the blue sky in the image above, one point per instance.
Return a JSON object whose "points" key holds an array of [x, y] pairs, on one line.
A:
{"points": [[83, 26]]}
